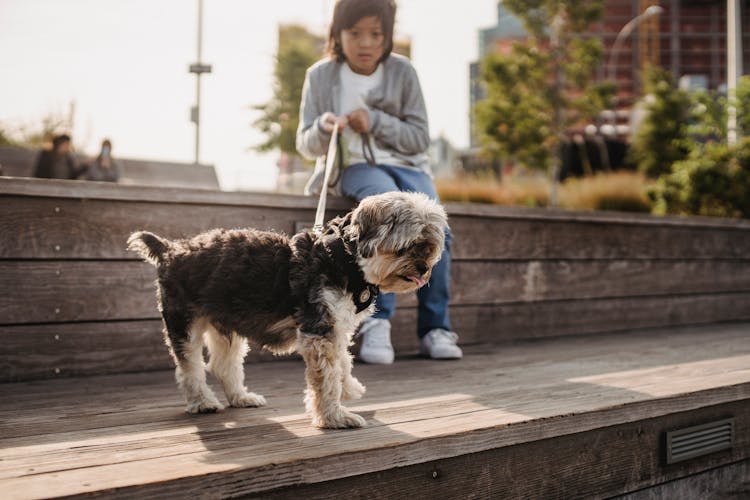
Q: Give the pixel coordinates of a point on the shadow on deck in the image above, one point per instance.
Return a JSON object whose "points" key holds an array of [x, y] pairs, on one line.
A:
{"points": [[580, 416]]}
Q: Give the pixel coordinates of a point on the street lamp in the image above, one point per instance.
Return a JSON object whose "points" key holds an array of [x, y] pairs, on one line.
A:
{"points": [[653, 10], [198, 69]]}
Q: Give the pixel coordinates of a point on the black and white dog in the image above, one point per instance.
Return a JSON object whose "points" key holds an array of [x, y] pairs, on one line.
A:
{"points": [[306, 293]]}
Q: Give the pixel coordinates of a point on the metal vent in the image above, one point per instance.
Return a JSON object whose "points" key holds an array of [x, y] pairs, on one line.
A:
{"points": [[699, 440]]}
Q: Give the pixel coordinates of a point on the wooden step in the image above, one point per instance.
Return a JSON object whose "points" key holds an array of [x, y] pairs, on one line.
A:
{"points": [[79, 297], [581, 416]]}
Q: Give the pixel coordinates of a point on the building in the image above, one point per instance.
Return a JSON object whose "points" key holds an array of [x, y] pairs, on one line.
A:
{"points": [[688, 38]]}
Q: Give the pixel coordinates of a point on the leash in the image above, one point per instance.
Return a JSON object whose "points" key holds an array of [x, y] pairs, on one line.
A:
{"points": [[330, 158]]}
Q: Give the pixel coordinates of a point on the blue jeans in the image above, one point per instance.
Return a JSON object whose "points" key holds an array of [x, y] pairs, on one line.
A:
{"points": [[361, 180]]}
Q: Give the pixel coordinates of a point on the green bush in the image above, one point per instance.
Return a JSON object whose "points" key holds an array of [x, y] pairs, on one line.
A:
{"points": [[714, 180], [662, 138]]}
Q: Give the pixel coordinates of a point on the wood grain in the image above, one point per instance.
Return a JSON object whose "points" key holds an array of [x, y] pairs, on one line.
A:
{"points": [[601, 463], [49, 228], [94, 434], [39, 211], [558, 238], [31, 351], [62, 291]]}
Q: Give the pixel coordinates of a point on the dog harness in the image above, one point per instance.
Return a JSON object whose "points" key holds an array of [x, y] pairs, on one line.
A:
{"points": [[343, 250]]}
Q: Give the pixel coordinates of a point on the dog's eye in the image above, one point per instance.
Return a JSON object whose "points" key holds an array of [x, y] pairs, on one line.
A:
{"points": [[401, 252]]}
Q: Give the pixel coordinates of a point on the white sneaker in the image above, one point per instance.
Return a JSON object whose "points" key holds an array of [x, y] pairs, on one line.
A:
{"points": [[440, 344], [376, 345]]}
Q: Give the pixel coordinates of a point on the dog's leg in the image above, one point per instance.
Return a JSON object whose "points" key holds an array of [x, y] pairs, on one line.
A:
{"points": [[187, 348], [226, 356], [323, 374], [351, 387]]}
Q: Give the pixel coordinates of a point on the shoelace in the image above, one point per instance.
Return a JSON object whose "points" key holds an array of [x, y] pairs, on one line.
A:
{"points": [[444, 336]]}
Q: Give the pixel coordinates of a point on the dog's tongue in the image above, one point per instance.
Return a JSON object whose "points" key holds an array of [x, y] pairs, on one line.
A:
{"points": [[419, 281]]}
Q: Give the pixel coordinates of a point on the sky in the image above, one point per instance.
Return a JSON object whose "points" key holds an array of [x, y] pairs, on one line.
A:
{"points": [[124, 63]]}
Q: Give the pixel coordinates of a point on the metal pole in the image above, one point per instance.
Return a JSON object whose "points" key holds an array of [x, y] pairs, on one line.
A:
{"points": [[734, 65], [624, 33], [198, 85]]}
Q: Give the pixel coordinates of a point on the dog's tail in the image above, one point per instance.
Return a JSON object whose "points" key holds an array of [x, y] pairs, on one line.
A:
{"points": [[151, 247]]}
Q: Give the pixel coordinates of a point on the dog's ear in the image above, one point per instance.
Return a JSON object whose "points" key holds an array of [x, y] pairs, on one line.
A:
{"points": [[370, 225]]}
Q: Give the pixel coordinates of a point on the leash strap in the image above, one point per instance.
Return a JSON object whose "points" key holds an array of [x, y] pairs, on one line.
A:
{"points": [[330, 158]]}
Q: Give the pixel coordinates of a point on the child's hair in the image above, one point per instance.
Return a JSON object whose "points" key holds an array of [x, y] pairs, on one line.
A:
{"points": [[347, 13]]}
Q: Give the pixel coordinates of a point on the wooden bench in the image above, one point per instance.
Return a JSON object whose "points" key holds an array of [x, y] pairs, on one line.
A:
{"points": [[587, 336], [19, 162]]}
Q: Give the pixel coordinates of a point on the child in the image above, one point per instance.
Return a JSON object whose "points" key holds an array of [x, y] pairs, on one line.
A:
{"points": [[376, 99]]}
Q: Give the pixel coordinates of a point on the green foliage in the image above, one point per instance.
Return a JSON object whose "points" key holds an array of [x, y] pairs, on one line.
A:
{"points": [[36, 135], [298, 49], [742, 102], [5, 138], [515, 118], [662, 138], [708, 116], [714, 180], [518, 118]]}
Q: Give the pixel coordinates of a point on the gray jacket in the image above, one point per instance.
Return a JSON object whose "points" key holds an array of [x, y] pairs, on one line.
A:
{"points": [[398, 118]]}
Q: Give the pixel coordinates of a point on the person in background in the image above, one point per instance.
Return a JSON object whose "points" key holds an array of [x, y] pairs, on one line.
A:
{"points": [[58, 162], [104, 168], [376, 99]]}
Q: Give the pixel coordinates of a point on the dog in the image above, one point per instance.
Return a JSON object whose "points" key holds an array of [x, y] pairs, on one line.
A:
{"points": [[306, 293]]}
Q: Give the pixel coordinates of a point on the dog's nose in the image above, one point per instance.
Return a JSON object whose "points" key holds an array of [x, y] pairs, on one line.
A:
{"points": [[421, 267]]}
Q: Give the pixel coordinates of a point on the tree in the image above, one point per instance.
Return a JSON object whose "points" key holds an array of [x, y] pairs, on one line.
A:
{"points": [[544, 85], [298, 49], [714, 179], [662, 139]]}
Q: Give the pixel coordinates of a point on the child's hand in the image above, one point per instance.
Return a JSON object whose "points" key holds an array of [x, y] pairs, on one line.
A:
{"points": [[328, 120], [359, 121]]}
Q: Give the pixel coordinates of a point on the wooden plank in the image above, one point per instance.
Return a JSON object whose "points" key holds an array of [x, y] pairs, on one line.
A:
{"points": [[77, 190], [17, 162], [532, 320], [54, 291], [539, 235], [95, 228], [595, 464], [163, 174], [497, 399], [729, 481], [49, 228], [553, 238], [72, 349], [497, 282], [31, 351]]}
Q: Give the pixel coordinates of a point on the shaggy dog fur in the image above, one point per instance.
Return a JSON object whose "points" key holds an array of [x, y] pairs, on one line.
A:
{"points": [[306, 293]]}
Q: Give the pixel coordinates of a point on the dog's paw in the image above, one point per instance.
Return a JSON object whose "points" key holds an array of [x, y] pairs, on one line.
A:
{"points": [[204, 406], [247, 400], [340, 419], [352, 389]]}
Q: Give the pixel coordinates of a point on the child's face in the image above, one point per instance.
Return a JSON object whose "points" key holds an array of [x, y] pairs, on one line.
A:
{"points": [[363, 45]]}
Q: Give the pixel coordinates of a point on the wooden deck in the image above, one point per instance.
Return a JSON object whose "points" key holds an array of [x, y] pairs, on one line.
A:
{"points": [[588, 336], [472, 426]]}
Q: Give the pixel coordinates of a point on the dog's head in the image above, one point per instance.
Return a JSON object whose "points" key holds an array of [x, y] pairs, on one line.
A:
{"points": [[400, 238]]}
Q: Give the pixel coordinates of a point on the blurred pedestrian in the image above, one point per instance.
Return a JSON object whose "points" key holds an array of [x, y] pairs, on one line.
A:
{"points": [[58, 162], [104, 168]]}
